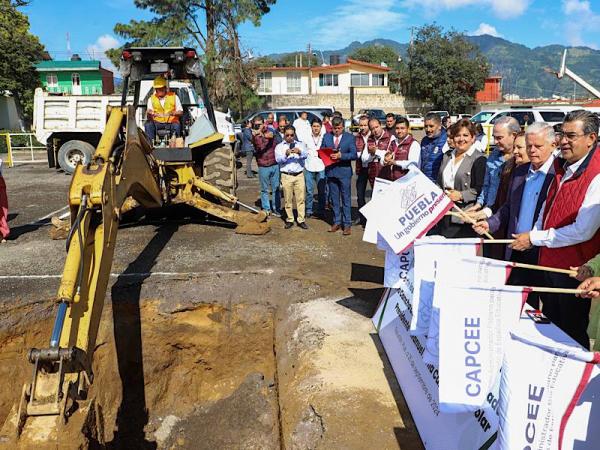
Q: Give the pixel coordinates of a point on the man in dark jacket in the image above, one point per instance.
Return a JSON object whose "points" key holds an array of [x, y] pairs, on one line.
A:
{"points": [[339, 174], [527, 194], [433, 146]]}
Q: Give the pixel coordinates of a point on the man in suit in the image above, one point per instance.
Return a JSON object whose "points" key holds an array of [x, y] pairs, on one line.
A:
{"points": [[530, 183], [339, 174]]}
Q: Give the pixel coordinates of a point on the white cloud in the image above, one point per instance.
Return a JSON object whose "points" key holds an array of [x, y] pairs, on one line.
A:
{"points": [[502, 9], [579, 19], [352, 21], [97, 50], [576, 7], [485, 28]]}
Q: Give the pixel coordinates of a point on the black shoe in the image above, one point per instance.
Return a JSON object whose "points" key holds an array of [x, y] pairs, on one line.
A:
{"points": [[357, 221], [308, 215], [288, 225], [303, 225]]}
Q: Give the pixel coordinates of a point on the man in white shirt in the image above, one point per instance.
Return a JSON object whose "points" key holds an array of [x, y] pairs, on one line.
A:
{"points": [[290, 155], [568, 226], [302, 126], [163, 110], [314, 174]]}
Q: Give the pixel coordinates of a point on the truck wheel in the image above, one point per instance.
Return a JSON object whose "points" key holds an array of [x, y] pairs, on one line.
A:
{"points": [[220, 169], [74, 152]]}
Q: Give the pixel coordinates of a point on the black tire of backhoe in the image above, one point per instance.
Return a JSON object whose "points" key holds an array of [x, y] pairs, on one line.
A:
{"points": [[220, 169]]}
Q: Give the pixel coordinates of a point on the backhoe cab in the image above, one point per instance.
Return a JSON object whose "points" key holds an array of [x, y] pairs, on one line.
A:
{"points": [[126, 170]]}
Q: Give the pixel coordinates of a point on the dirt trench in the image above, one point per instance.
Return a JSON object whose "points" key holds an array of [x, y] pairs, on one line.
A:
{"points": [[201, 376]]}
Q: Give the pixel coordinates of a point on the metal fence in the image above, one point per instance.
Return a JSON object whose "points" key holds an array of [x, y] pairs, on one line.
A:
{"points": [[20, 149]]}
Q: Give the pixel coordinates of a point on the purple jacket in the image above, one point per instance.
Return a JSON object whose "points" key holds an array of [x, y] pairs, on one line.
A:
{"points": [[507, 215]]}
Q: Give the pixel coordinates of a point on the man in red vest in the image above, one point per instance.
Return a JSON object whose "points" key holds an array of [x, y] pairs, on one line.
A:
{"points": [[568, 227], [404, 150], [164, 110], [362, 177], [378, 145]]}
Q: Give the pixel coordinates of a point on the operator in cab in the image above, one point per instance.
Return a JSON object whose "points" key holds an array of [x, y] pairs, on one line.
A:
{"points": [[164, 110]]}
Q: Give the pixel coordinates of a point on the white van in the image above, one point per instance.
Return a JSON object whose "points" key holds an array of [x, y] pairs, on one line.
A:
{"points": [[524, 115]]}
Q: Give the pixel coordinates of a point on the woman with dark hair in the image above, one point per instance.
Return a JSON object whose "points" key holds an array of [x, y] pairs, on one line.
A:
{"points": [[247, 146], [461, 176]]}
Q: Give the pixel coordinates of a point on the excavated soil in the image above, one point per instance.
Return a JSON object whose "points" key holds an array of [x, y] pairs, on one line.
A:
{"points": [[191, 371]]}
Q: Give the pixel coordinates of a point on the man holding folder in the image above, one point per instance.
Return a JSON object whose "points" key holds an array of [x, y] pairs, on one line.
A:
{"points": [[342, 149]]}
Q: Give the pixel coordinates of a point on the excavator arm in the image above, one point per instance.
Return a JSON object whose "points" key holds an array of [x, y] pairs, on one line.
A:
{"points": [[122, 166]]}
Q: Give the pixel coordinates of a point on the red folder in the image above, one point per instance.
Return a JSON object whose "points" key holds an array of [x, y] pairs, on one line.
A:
{"points": [[325, 155]]}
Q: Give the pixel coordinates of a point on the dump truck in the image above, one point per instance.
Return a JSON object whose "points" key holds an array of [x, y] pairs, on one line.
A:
{"points": [[70, 126], [126, 170]]}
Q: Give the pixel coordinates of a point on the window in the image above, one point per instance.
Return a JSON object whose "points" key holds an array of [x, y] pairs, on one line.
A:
{"points": [[328, 79], [75, 79], [523, 117], [552, 116], [359, 79], [264, 82], [51, 80], [378, 79], [293, 81]]}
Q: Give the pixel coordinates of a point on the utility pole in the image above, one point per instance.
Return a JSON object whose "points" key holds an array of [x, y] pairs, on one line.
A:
{"points": [[309, 70], [410, 46]]}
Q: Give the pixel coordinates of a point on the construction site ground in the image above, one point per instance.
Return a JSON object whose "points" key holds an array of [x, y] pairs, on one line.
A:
{"points": [[211, 339]]}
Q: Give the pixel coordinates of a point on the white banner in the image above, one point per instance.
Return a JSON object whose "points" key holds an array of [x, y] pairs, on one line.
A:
{"points": [[460, 272], [398, 270], [370, 233], [475, 323], [549, 392], [426, 252], [405, 210], [419, 382]]}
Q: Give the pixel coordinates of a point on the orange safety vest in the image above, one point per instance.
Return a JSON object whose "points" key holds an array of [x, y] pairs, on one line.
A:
{"points": [[167, 109]]}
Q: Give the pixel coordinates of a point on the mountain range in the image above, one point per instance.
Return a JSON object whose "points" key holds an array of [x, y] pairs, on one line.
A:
{"points": [[521, 67]]}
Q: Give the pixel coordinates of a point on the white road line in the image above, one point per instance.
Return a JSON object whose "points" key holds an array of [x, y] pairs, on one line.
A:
{"points": [[47, 216], [150, 274]]}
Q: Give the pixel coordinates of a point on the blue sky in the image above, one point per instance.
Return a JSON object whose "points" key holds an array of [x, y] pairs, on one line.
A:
{"points": [[329, 25]]}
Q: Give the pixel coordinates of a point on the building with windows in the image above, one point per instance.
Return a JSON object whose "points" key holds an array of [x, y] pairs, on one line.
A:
{"points": [[75, 77], [334, 79]]}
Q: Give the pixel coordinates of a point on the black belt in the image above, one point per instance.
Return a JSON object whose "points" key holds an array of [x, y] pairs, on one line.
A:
{"points": [[293, 174]]}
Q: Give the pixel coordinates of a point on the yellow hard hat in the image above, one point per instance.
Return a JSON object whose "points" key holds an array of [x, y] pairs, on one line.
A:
{"points": [[160, 82]]}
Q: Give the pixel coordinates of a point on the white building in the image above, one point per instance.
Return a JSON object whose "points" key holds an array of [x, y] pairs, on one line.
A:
{"points": [[333, 79]]}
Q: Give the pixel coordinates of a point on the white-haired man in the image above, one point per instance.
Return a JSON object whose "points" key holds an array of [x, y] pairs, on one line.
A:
{"points": [[526, 195]]}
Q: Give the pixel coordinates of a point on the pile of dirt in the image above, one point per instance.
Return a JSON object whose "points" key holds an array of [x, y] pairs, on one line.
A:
{"points": [[159, 375]]}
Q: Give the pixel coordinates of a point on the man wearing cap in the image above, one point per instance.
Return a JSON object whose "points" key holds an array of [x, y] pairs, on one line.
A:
{"points": [[163, 111]]}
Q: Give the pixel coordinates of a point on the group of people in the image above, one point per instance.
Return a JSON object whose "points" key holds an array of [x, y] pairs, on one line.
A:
{"points": [[541, 188]]}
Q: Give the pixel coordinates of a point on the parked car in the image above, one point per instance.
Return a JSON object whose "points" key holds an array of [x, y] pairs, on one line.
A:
{"points": [[291, 112], [525, 116], [442, 114], [370, 112], [416, 121]]}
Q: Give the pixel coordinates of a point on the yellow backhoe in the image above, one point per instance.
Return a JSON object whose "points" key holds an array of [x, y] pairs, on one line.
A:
{"points": [[127, 170]]}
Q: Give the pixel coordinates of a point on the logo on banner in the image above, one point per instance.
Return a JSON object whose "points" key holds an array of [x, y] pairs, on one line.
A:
{"points": [[408, 196]]}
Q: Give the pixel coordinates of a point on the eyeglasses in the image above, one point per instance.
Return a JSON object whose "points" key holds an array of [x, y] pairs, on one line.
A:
{"points": [[289, 135], [571, 137]]}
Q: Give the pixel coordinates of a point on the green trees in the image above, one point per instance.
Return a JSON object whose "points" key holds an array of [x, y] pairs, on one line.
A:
{"points": [[211, 26], [444, 68], [19, 51]]}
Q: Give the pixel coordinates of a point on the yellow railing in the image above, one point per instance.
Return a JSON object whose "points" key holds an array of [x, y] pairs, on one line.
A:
{"points": [[10, 162]]}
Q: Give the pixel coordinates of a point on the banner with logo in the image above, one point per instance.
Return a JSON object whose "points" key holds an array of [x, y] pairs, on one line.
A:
{"points": [[474, 430], [427, 251], [405, 210], [475, 325], [549, 392]]}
